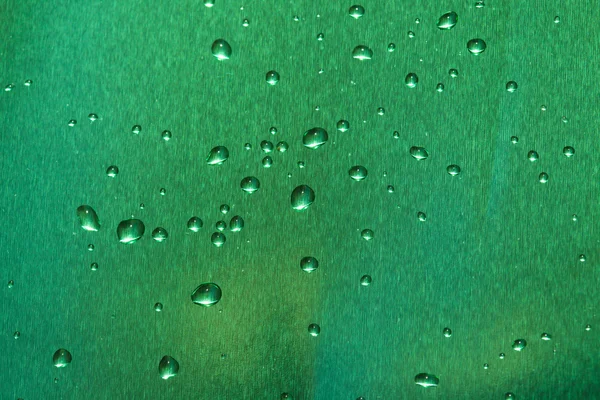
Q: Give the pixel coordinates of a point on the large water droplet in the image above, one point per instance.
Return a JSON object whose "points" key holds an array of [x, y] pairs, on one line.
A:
{"points": [[217, 156], [194, 224], [88, 219], [411, 80], [356, 11], [315, 138], [419, 153], [61, 358], [448, 20], [168, 367], [302, 197], [358, 172], [309, 264], [130, 230], [426, 380], [519, 344], [476, 46], [272, 78], [250, 184], [362, 53], [236, 224], [207, 294], [221, 49]]}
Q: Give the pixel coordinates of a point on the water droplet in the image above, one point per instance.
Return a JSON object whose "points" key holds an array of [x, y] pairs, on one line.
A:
{"points": [[221, 49], [381, 111], [356, 11], [421, 216], [358, 172], [61, 358], [90, 247], [411, 80], [236, 224], [309, 264], [209, 3], [245, 22], [218, 239], [314, 330], [166, 135], [168, 367], [221, 226], [501, 356], [453, 169], [302, 197], [588, 327], [16, 335], [136, 129], [93, 117], [476, 46], [162, 191], [314, 138], [343, 125], [194, 224], [582, 258], [367, 234], [447, 332], [282, 147], [362, 53], [533, 155], [272, 78], [507, 395], [391, 47], [11, 284], [72, 122], [448, 20], [439, 87], [207, 294], [519, 344], [453, 73], [479, 4], [568, 151], [273, 130], [250, 184], [217, 155], [224, 208], [543, 177], [160, 234], [9, 87], [486, 366], [112, 171], [130, 231], [546, 336], [366, 280], [88, 219], [426, 380], [320, 37], [419, 153], [391, 189], [511, 86], [158, 307], [266, 146], [514, 139], [411, 34], [94, 266], [28, 82], [557, 19]]}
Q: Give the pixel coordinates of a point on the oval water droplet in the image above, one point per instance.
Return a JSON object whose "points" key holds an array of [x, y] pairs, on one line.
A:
{"points": [[236, 224], [356, 11], [419, 153], [221, 49], [88, 219], [250, 184], [160, 234], [358, 172], [448, 20], [411, 80], [315, 138], [207, 294], [426, 380], [476, 46], [168, 367], [217, 156], [362, 53], [130, 230], [218, 239], [302, 197], [519, 344], [453, 169]]}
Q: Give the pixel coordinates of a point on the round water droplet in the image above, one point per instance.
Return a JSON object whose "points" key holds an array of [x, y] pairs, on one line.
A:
{"points": [[476, 46], [61, 358], [422, 216], [207, 294], [411, 80], [569, 151], [266, 146], [511, 86], [166, 135], [426, 380], [309, 264], [366, 280], [362, 53], [314, 138], [302, 197], [218, 239], [168, 367], [419, 153], [194, 224], [130, 231], [236, 224], [447, 332], [136, 129], [546, 336], [314, 330], [72, 123], [356, 11], [250, 184], [221, 226], [448, 20], [519, 344], [543, 177], [94, 266], [391, 47], [224, 208], [160, 234], [88, 219], [221, 49], [453, 170], [158, 307], [282, 147], [93, 117], [112, 171], [514, 139], [533, 155], [217, 155], [439, 87], [453, 73], [272, 78], [358, 172], [343, 125], [367, 234]]}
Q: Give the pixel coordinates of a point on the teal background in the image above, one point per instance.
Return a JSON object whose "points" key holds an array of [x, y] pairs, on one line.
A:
{"points": [[497, 259]]}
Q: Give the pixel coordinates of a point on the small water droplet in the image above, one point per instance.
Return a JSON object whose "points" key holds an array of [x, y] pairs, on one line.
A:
{"points": [[366, 280], [267, 146], [309, 264], [160, 234], [367, 234], [543, 177], [314, 330], [207, 294], [194, 224], [421, 216], [533, 155], [419, 153], [72, 122], [236, 224], [88, 219], [448, 20], [218, 239], [94, 266], [426, 380], [130, 231], [61, 358], [453, 169], [447, 332], [519, 344], [112, 171], [217, 155], [546, 336], [166, 135], [514, 139], [28, 82], [221, 49], [93, 117], [391, 47], [282, 147], [511, 86], [362, 53], [476, 46], [245, 22], [272, 78], [168, 367], [302, 197], [343, 125], [158, 307], [221, 226], [453, 72], [356, 11], [568, 151], [250, 184], [411, 80]]}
